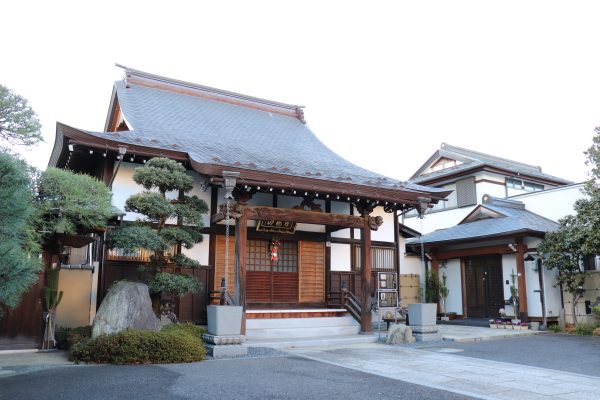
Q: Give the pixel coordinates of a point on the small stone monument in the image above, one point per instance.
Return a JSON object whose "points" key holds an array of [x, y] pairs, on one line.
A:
{"points": [[399, 333], [127, 305]]}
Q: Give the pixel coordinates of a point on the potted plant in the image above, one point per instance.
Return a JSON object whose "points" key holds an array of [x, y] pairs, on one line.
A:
{"points": [[443, 295], [493, 324], [425, 313]]}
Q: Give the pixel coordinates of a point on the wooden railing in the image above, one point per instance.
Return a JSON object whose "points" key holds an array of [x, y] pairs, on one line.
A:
{"points": [[351, 303]]}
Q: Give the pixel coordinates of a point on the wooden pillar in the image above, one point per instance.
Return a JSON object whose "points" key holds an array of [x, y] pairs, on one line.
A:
{"points": [[327, 256], [241, 240], [522, 286], [365, 296]]}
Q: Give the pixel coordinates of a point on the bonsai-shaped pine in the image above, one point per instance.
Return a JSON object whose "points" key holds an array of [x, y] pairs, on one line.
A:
{"points": [[160, 176]]}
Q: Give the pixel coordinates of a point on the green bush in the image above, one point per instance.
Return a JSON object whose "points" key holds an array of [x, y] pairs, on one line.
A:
{"points": [[586, 329], [67, 337], [187, 328], [141, 347]]}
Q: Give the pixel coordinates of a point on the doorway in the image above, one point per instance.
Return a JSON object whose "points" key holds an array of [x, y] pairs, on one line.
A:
{"points": [[483, 286], [270, 281]]}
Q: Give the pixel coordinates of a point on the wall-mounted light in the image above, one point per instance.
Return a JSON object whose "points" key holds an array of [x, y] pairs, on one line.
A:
{"points": [[512, 247], [91, 151], [71, 147]]}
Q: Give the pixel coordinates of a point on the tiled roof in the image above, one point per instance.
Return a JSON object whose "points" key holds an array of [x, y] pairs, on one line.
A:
{"points": [[230, 130], [473, 159], [513, 219]]}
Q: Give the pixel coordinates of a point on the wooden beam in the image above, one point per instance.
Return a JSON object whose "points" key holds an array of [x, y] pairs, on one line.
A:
{"points": [[302, 216], [477, 251], [522, 285], [365, 295], [241, 242]]}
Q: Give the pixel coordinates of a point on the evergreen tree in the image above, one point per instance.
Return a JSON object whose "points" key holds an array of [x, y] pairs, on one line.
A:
{"points": [[19, 245], [578, 235], [160, 176], [19, 125]]}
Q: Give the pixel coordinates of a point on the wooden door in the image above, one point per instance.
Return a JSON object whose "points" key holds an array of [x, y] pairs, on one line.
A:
{"points": [[483, 285], [312, 272], [271, 281]]}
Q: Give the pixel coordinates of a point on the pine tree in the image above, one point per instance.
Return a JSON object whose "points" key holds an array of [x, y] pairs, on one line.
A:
{"points": [[160, 176]]}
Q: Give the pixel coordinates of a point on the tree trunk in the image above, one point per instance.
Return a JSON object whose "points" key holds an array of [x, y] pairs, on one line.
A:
{"points": [[576, 298]]}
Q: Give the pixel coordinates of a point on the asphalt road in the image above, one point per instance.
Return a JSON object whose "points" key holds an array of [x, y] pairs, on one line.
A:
{"points": [[254, 378], [569, 353]]}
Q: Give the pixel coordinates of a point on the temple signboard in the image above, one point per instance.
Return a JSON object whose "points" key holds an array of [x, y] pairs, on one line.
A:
{"points": [[275, 226]]}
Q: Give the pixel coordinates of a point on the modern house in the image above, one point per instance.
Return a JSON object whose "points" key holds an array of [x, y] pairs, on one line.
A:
{"points": [[470, 175], [336, 223], [486, 234]]}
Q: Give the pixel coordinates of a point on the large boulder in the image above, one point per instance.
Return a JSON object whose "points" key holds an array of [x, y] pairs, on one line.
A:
{"points": [[127, 305], [399, 333]]}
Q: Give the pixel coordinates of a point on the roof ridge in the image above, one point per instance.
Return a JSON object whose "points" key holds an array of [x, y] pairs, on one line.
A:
{"points": [[451, 148], [134, 76]]}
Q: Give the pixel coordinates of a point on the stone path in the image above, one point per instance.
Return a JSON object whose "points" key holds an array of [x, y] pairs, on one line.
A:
{"points": [[468, 376]]}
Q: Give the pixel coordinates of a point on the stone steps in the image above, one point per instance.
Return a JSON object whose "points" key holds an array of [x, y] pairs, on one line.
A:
{"points": [[293, 328]]}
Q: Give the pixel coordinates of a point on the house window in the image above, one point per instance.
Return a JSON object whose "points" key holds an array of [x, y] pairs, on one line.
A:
{"points": [[591, 262], [465, 192], [519, 184], [382, 258]]}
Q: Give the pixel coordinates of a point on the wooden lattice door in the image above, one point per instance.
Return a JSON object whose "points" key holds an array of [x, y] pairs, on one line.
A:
{"points": [[271, 281]]}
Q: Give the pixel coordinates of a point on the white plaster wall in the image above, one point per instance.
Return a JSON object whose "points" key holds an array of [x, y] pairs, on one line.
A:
{"points": [[123, 187], [340, 257], [454, 285], [492, 189], [509, 264], [440, 220], [204, 195], [385, 233], [554, 203], [411, 265], [553, 304], [534, 306], [340, 208], [200, 251]]}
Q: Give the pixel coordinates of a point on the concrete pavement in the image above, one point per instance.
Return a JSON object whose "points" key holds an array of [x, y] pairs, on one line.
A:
{"points": [[484, 379]]}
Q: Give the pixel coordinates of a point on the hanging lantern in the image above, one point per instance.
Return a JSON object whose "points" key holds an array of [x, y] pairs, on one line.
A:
{"points": [[275, 243]]}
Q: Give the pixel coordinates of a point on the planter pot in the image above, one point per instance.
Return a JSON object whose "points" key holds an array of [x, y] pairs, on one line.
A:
{"points": [[445, 318], [452, 315], [422, 314], [224, 320], [494, 326]]}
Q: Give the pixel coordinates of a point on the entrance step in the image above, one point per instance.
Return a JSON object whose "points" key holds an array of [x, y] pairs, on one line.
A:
{"points": [[289, 343], [304, 327]]}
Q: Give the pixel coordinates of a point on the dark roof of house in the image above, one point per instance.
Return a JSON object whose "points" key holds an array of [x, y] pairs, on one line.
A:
{"points": [[471, 159], [495, 217], [218, 130]]}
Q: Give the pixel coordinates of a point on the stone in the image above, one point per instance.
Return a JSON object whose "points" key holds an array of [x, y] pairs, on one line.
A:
{"points": [[223, 340], [226, 351], [127, 305], [399, 333]]}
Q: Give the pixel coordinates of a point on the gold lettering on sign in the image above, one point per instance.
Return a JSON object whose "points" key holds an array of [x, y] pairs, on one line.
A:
{"points": [[276, 226]]}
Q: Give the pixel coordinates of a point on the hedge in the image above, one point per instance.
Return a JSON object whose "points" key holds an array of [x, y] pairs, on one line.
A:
{"points": [[176, 344]]}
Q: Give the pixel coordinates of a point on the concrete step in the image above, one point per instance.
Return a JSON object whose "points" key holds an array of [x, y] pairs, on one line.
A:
{"points": [[279, 328], [289, 343], [281, 323]]}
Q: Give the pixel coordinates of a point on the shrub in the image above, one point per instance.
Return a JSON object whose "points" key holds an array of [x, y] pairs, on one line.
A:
{"points": [[596, 332], [141, 347], [185, 328], [67, 337], [585, 329]]}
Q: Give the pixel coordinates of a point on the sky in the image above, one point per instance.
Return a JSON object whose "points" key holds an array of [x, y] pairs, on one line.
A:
{"points": [[384, 83]]}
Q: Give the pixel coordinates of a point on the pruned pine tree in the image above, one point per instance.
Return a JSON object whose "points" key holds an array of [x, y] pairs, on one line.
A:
{"points": [[160, 176]]}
